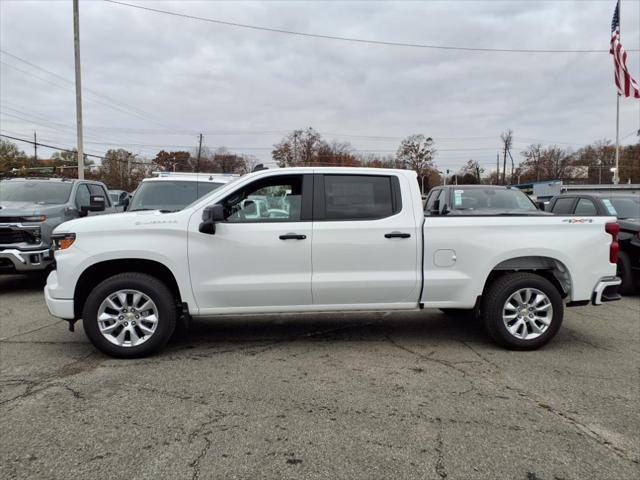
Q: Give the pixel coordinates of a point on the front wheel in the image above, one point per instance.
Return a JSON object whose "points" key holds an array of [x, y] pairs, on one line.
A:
{"points": [[522, 311], [129, 315]]}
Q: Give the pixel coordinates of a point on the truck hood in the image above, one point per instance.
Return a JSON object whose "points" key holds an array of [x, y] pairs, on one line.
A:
{"points": [[120, 221], [24, 209]]}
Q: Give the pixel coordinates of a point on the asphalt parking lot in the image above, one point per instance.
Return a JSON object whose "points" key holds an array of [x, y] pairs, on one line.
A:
{"points": [[364, 396]]}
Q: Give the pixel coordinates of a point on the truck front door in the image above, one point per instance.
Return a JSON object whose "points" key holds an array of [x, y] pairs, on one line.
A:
{"points": [[257, 257]]}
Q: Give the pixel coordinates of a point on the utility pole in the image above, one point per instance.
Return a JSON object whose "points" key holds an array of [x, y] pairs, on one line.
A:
{"points": [[504, 165], [295, 148], [76, 45], [512, 166], [199, 152], [35, 146], [497, 168]]}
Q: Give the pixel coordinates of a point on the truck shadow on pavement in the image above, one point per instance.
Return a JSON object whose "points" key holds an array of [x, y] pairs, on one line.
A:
{"points": [[267, 331], [10, 283]]}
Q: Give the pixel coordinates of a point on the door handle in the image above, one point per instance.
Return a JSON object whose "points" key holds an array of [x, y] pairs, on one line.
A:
{"points": [[397, 235], [292, 236]]}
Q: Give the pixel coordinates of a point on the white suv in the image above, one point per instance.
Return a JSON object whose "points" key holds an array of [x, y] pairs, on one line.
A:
{"points": [[172, 191]]}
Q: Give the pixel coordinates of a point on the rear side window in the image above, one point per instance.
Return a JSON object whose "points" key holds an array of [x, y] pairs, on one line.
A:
{"points": [[563, 206], [360, 197], [586, 207]]}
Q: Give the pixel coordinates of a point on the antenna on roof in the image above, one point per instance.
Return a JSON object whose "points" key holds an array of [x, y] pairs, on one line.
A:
{"points": [[259, 167]]}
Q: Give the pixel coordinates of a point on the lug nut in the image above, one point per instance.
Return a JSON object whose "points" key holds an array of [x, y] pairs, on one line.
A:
{"points": [[120, 317], [126, 324], [124, 310], [137, 317]]}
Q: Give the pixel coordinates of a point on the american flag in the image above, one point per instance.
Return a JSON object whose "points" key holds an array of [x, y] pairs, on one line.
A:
{"points": [[627, 86]]}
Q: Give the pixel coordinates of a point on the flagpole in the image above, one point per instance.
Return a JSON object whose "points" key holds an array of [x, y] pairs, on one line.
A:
{"points": [[616, 175]]}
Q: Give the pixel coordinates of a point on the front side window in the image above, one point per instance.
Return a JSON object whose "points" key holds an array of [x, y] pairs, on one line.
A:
{"points": [[273, 199], [83, 197], [358, 197]]}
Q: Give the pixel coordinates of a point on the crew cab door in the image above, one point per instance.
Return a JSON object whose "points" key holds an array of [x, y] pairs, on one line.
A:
{"points": [[257, 257], [366, 247]]}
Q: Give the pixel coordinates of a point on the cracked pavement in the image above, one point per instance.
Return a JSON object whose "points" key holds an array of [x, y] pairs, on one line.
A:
{"points": [[357, 396]]}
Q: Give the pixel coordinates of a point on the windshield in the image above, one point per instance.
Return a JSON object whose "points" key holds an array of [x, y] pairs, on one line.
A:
{"points": [[170, 195], [491, 199], [625, 207], [43, 193]]}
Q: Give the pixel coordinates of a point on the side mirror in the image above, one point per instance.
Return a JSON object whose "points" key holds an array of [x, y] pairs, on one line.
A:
{"points": [[125, 203], [96, 204], [540, 205], [210, 216]]}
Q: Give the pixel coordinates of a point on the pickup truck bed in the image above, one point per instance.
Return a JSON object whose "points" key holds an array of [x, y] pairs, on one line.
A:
{"points": [[350, 239]]}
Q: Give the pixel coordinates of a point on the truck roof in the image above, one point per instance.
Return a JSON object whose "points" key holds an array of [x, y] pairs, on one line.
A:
{"points": [[41, 179], [190, 177]]}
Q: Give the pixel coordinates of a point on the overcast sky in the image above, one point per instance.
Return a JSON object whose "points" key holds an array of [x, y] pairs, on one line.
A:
{"points": [[161, 79]]}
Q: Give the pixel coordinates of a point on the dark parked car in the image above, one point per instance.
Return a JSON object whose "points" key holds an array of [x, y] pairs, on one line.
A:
{"points": [[627, 209], [482, 200]]}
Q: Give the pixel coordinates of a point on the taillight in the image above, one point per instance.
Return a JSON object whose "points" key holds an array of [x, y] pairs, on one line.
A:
{"points": [[613, 229]]}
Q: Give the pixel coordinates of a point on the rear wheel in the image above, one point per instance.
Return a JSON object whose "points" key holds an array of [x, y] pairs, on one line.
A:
{"points": [[626, 275], [129, 315], [522, 311]]}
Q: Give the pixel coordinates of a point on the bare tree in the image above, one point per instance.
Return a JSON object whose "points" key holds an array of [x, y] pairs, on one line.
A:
{"points": [[416, 152], [300, 147]]}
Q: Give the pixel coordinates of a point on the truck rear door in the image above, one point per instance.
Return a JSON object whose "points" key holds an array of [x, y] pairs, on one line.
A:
{"points": [[365, 248]]}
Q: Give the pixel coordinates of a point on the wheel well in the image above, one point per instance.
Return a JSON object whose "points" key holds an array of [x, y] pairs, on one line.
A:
{"points": [[98, 272], [550, 268]]}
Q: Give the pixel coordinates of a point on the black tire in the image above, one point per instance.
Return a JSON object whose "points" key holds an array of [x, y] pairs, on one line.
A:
{"points": [[625, 273], [493, 303], [148, 285]]}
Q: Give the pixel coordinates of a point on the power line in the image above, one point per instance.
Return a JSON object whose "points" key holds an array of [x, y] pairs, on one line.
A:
{"points": [[352, 39], [65, 87], [49, 146], [64, 79]]}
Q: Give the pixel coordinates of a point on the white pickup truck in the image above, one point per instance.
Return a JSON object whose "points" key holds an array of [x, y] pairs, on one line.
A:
{"points": [[343, 239]]}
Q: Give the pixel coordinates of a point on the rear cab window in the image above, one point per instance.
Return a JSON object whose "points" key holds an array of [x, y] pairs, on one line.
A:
{"points": [[586, 207], [356, 197], [563, 206]]}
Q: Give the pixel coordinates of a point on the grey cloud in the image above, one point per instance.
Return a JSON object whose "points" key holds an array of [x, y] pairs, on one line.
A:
{"points": [[196, 76]]}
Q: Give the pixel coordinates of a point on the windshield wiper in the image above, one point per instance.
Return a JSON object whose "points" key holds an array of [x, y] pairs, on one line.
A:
{"points": [[140, 209], [169, 211]]}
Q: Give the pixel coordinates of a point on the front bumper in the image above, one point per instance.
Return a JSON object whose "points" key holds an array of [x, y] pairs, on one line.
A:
{"points": [[58, 307], [25, 260], [606, 290]]}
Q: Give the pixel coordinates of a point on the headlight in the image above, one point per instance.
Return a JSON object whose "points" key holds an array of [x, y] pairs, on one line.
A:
{"points": [[62, 241], [35, 218]]}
